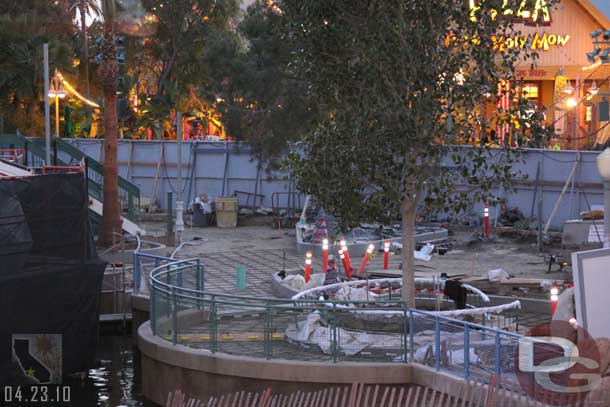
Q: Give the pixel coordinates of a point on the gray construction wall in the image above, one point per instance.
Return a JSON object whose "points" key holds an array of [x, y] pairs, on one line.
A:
{"points": [[209, 166], [218, 169]]}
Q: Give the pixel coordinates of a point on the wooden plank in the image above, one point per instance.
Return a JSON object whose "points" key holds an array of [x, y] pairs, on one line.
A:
{"points": [[366, 395], [296, 401], [337, 396], [441, 399], [323, 395], [329, 397], [375, 391], [153, 196], [384, 396], [415, 400], [291, 399], [400, 395], [392, 395], [353, 393], [466, 395], [432, 398], [301, 401], [424, 398], [480, 394], [345, 396], [456, 400], [266, 397]]}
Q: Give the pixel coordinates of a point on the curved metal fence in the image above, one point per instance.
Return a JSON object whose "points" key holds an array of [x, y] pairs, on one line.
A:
{"points": [[183, 312]]}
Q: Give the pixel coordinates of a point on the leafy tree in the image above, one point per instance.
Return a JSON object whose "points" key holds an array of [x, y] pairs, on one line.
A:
{"points": [[264, 101], [85, 8], [401, 82], [24, 27], [177, 48]]}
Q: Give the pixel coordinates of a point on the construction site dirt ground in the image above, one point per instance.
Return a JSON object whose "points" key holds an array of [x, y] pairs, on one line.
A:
{"points": [[519, 257]]}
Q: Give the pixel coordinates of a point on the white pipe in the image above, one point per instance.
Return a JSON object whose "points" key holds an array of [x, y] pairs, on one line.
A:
{"points": [[376, 281]]}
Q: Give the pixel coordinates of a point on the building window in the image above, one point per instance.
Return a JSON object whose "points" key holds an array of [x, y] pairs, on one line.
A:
{"points": [[530, 91]]}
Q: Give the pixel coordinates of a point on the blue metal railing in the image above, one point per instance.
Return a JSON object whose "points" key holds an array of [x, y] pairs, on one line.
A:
{"points": [[138, 256], [499, 336], [177, 287]]}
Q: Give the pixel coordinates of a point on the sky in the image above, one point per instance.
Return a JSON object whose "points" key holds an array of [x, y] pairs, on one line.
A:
{"points": [[603, 6]]}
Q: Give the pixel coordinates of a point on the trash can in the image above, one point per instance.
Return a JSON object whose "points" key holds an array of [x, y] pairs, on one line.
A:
{"points": [[226, 212], [200, 219]]}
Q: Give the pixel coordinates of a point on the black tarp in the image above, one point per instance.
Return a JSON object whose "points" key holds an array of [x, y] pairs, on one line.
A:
{"points": [[50, 274]]}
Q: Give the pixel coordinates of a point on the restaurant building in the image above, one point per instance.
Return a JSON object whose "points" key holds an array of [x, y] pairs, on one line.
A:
{"points": [[566, 84]]}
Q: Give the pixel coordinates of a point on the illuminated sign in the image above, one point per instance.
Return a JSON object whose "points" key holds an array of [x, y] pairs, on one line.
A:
{"points": [[535, 12], [539, 73], [535, 42]]}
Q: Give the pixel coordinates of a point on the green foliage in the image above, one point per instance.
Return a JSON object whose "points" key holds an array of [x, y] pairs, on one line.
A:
{"points": [[265, 103], [24, 27], [177, 49], [402, 82]]}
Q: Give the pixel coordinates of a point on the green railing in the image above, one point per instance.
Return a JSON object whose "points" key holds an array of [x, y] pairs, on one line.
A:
{"points": [[63, 153], [184, 312]]}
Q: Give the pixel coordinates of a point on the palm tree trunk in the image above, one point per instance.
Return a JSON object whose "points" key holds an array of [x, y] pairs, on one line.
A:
{"points": [[111, 219], [408, 246], [82, 7]]}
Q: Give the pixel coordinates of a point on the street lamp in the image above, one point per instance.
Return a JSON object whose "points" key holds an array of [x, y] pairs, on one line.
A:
{"points": [[56, 90], [603, 166]]}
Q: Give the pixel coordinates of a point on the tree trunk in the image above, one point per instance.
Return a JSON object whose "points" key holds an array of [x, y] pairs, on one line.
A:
{"points": [[82, 7], [408, 246], [111, 219]]}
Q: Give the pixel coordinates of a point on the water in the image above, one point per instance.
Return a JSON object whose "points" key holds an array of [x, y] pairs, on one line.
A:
{"points": [[115, 382]]}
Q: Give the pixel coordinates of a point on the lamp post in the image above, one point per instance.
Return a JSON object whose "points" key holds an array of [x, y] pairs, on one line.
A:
{"points": [[603, 166], [56, 90]]}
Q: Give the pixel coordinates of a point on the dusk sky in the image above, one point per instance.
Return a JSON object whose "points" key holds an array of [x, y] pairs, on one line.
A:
{"points": [[603, 6]]}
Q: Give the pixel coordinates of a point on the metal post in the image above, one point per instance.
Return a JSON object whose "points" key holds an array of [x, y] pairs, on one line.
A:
{"points": [[466, 352], [179, 201], [268, 328], [202, 271], [411, 336], [199, 283], [405, 333], [213, 340], [607, 213], [170, 221], [333, 333], [136, 273], [437, 344], [198, 277], [47, 109], [498, 354], [174, 316], [153, 310]]}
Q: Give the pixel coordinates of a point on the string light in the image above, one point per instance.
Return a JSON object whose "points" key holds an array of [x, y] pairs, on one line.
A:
{"points": [[74, 92], [596, 65]]}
